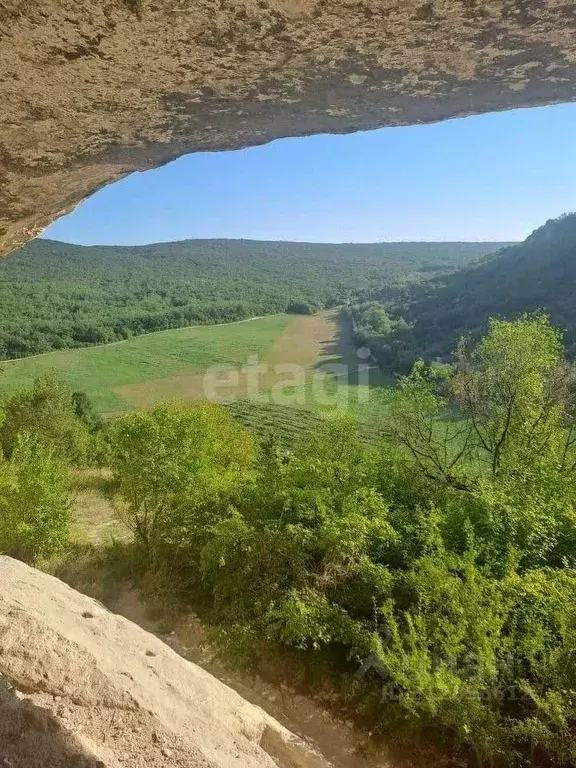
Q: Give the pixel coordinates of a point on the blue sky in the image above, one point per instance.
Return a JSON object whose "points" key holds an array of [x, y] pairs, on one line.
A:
{"points": [[489, 177]]}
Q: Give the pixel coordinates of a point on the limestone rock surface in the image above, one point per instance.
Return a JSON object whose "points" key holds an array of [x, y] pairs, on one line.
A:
{"points": [[81, 687]]}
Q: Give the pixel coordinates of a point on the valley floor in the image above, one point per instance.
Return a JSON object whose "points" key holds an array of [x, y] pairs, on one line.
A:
{"points": [[278, 372]]}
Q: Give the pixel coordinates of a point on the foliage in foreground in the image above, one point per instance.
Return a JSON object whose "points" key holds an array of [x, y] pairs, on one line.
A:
{"points": [[176, 467], [34, 501], [443, 559], [48, 411], [43, 431]]}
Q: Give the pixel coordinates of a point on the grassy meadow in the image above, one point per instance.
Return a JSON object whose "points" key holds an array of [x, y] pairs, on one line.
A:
{"points": [[101, 371], [300, 360], [171, 364]]}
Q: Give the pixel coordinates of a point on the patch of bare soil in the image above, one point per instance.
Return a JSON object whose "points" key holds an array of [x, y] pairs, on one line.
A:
{"points": [[146, 393]]}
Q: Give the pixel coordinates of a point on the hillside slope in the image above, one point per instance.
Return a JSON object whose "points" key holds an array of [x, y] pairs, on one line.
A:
{"points": [[538, 274], [56, 295], [82, 687]]}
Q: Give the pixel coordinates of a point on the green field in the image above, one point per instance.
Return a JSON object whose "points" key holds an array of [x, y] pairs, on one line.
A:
{"points": [[170, 365], [287, 425], [99, 370]]}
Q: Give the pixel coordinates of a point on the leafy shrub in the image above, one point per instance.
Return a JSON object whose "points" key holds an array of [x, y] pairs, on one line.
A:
{"points": [[34, 501], [46, 411], [295, 560], [85, 411], [302, 308], [176, 467]]}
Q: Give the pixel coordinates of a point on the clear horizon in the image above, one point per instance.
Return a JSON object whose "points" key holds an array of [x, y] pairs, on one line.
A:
{"points": [[485, 178], [259, 240]]}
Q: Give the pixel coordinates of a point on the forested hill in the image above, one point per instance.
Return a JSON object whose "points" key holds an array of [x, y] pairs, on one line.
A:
{"points": [[55, 295], [538, 274]]}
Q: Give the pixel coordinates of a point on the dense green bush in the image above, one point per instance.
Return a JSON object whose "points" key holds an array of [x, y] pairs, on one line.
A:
{"points": [[34, 500], [41, 435], [386, 338], [49, 412], [294, 558], [175, 467]]}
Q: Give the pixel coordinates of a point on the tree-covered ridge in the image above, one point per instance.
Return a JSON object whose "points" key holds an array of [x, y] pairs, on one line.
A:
{"points": [[538, 274], [56, 295]]}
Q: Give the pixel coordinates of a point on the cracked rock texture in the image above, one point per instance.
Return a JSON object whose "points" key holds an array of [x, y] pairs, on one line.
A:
{"points": [[83, 688], [94, 89]]}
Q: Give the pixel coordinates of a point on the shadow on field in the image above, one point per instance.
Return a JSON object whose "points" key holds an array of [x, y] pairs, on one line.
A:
{"points": [[341, 351]]}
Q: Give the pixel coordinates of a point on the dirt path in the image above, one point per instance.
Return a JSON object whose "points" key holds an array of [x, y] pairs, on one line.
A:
{"points": [[336, 740]]}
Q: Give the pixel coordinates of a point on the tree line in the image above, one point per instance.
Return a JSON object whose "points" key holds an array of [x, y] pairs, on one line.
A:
{"points": [[58, 296]]}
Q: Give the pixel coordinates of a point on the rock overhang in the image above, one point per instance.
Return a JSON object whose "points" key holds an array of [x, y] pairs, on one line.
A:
{"points": [[94, 90]]}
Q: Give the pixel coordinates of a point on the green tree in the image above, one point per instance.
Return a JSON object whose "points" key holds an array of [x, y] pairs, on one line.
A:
{"points": [[176, 466], [34, 501], [85, 411], [512, 388], [46, 411], [505, 408], [422, 424]]}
